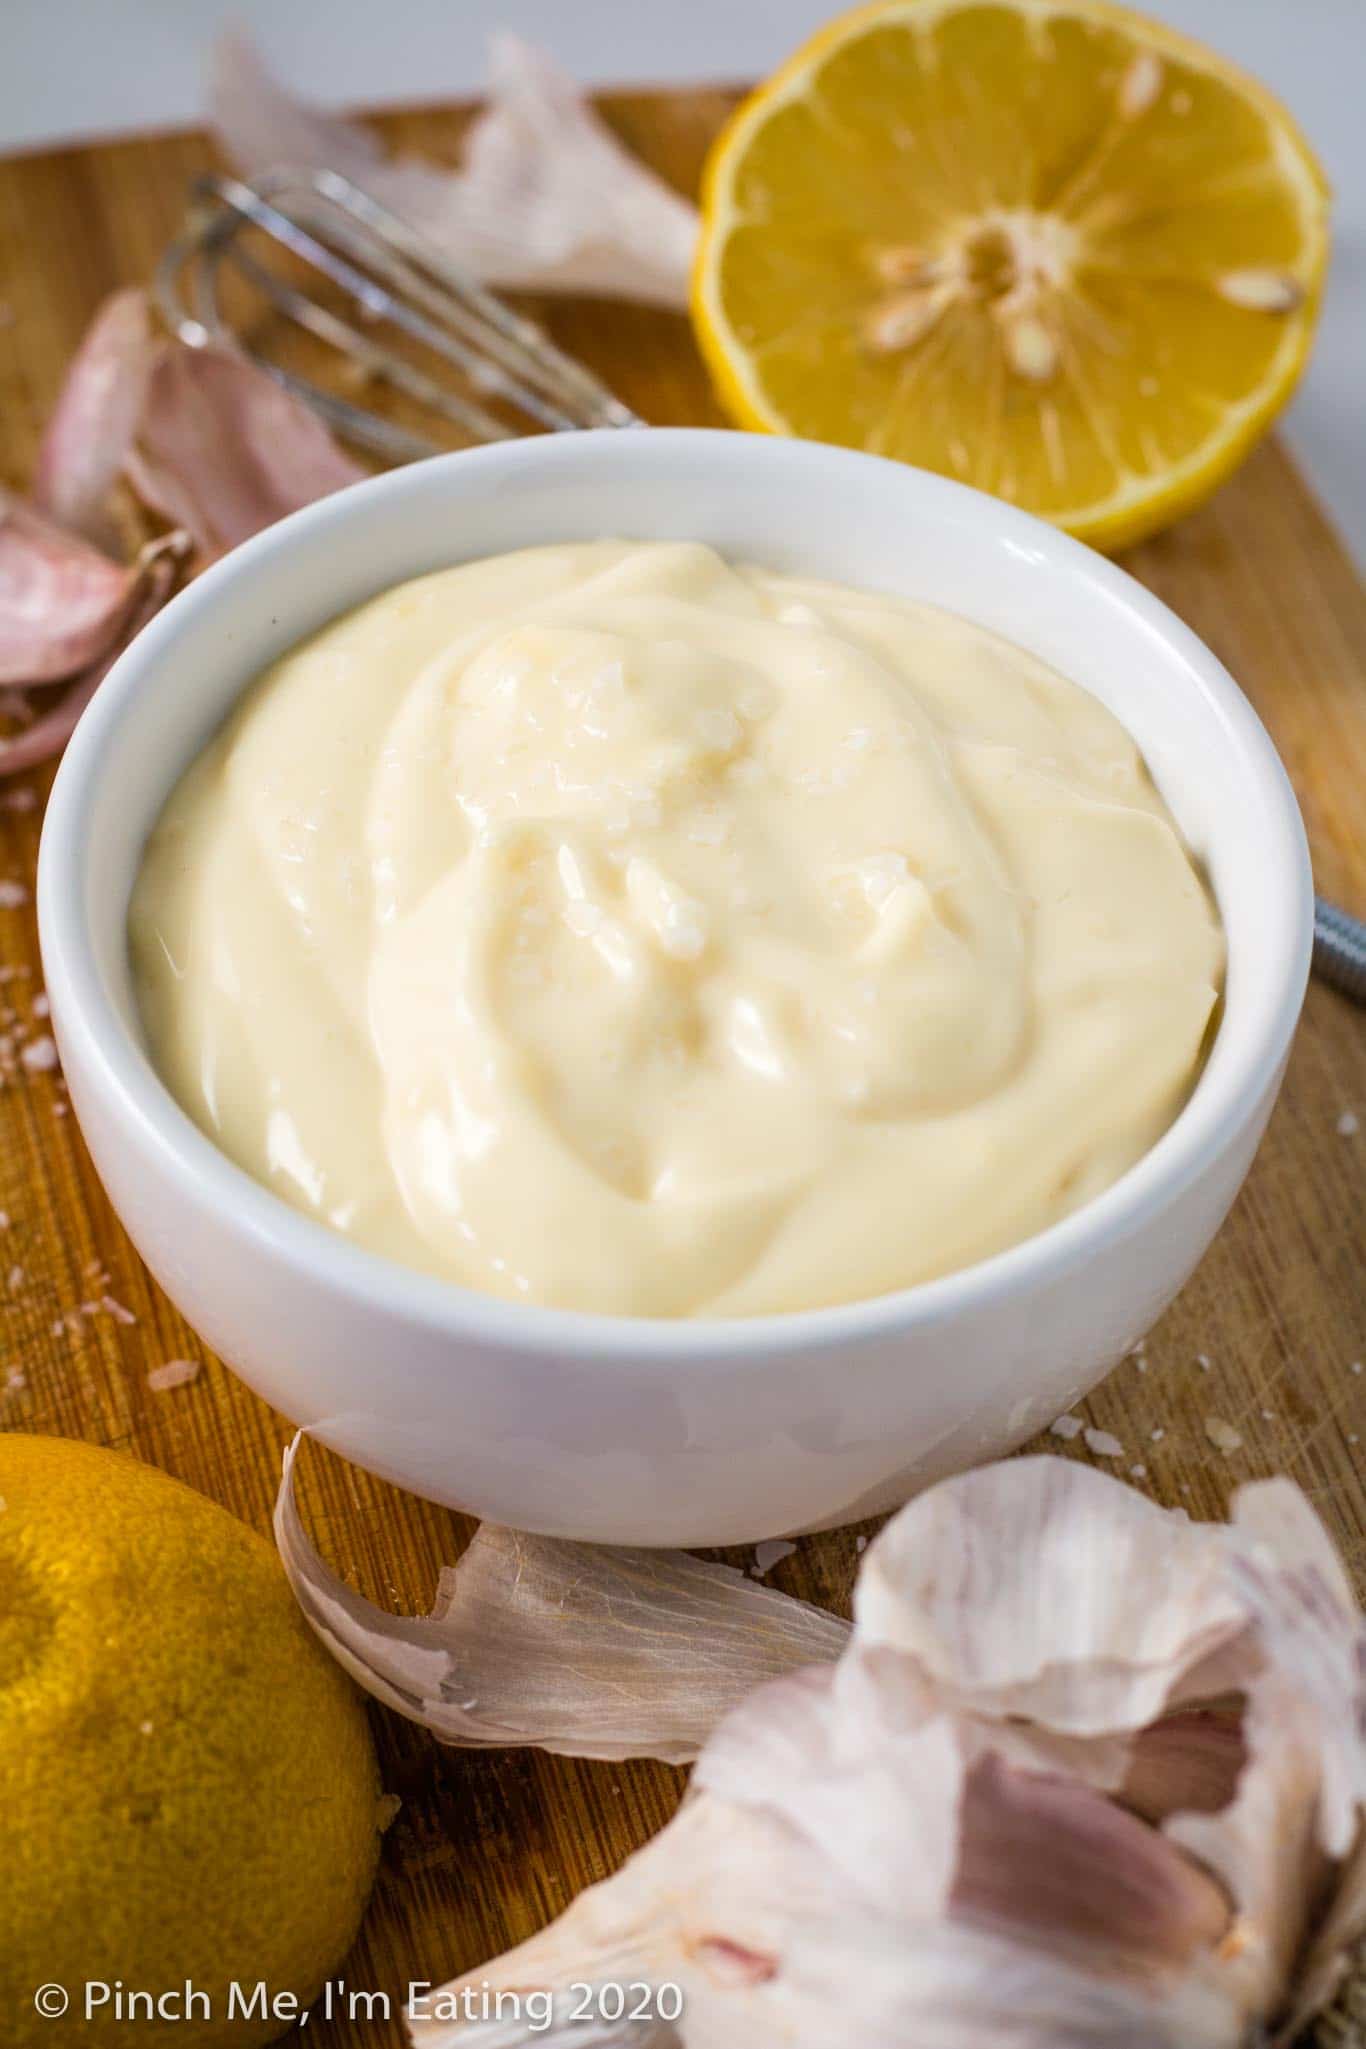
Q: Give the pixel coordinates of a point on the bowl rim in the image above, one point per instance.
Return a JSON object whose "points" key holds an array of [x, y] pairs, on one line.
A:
{"points": [[87, 1021]]}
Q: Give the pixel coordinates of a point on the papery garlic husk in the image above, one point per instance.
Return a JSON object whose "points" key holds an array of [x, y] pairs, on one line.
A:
{"points": [[223, 449], [86, 441], [206, 438], [927, 1846], [63, 602], [576, 1648], [155, 575], [546, 197]]}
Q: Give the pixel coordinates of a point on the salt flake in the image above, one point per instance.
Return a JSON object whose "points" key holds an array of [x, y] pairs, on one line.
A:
{"points": [[175, 1373], [1222, 1435], [1103, 1444]]}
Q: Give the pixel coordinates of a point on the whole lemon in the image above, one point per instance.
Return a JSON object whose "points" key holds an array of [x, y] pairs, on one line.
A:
{"points": [[188, 1790]]}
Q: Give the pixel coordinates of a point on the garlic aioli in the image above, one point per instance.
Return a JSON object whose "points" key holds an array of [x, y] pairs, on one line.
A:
{"points": [[607, 926]]}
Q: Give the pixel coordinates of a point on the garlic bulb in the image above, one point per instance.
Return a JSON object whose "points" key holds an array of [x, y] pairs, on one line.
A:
{"points": [[1086, 1776]]}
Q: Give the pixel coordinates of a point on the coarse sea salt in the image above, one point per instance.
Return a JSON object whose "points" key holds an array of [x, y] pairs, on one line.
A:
{"points": [[40, 1055], [1067, 1427], [175, 1373], [1103, 1444], [1222, 1435], [1349, 1124], [769, 1553], [12, 894]]}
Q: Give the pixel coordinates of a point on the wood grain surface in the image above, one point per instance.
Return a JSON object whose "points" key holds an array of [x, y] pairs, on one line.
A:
{"points": [[1267, 1339]]}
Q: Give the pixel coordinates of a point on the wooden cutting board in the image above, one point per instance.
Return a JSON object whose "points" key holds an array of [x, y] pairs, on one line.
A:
{"points": [[1264, 1339]]}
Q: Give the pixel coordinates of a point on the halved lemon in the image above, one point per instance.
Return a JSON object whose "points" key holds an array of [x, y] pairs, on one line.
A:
{"points": [[1055, 250]]}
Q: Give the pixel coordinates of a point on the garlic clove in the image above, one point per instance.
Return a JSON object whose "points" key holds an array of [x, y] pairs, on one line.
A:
{"points": [[1188, 1762], [1050, 1860]]}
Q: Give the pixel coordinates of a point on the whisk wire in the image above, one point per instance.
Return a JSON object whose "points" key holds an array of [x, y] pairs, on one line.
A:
{"points": [[390, 276]]}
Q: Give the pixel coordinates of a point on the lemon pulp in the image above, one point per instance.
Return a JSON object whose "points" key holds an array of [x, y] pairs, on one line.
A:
{"points": [[1056, 251]]}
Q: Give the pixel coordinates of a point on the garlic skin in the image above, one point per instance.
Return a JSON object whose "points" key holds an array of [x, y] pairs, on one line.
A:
{"points": [[153, 577], [574, 1648], [101, 402], [546, 198], [206, 438], [267, 456], [920, 1847]]}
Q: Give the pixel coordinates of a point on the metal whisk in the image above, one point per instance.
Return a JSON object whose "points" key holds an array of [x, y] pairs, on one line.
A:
{"points": [[377, 285], [383, 298]]}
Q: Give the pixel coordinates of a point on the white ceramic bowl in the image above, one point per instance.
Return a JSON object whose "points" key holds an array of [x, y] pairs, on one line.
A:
{"points": [[635, 1430]]}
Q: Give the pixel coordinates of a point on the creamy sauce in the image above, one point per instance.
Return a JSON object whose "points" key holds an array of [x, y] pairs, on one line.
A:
{"points": [[611, 927]]}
